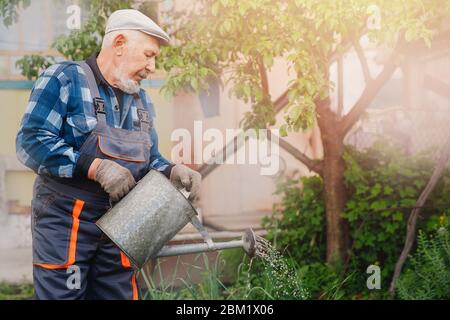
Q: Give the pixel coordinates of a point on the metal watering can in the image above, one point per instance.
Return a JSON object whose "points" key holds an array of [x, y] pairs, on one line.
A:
{"points": [[152, 214]]}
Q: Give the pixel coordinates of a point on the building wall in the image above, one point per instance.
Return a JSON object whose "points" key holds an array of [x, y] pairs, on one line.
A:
{"points": [[18, 184]]}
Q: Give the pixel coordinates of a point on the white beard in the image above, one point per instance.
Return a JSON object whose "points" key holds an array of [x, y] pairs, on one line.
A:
{"points": [[126, 85]]}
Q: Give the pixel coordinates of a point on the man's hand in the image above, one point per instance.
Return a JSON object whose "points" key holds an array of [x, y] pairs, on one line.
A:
{"points": [[184, 177], [115, 179]]}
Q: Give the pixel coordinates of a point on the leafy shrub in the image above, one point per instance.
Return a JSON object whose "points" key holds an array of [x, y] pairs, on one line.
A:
{"points": [[323, 281], [16, 291], [427, 275], [383, 185], [297, 227]]}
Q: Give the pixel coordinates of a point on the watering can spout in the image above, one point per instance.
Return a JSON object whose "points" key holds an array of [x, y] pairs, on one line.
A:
{"points": [[247, 243]]}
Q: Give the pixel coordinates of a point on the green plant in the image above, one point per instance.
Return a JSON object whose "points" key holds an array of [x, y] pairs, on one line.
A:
{"points": [[297, 227], [231, 261], [33, 65], [382, 186], [428, 273], [16, 291], [323, 281], [210, 286], [267, 277], [160, 287]]}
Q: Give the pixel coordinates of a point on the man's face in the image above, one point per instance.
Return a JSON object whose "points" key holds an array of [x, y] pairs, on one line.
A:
{"points": [[137, 61]]}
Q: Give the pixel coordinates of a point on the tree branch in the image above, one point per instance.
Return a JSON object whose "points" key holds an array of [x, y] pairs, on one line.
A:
{"points": [[281, 101], [369, 93], [232, 147], [263, 75], [340, 65], [313, 165], [411, 227], [362, 60]]}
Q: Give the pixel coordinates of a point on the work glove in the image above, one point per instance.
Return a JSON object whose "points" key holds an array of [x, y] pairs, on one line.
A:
{"points": [[115, 179], [184, 177]]}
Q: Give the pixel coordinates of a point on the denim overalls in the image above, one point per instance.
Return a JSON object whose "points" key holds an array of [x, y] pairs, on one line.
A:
{"points": [[72, 258]]}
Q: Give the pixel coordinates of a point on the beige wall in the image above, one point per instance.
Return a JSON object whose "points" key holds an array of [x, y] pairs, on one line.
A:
{"points": [[164, 120], [18, 184], [13, 104]]}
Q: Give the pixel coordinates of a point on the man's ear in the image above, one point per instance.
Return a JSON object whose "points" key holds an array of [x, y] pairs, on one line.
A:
{"points": [[119, 43]]}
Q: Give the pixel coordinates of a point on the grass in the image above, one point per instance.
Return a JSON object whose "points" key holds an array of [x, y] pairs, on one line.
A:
{"points": [[16, 291], [252, 279], [168, 288]]}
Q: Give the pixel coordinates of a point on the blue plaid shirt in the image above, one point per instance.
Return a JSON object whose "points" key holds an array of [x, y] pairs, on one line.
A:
{"points": [[60, 116]]}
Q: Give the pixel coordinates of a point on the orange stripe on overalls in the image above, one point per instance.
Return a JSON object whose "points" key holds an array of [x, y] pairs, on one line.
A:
{"points": [[127, 264], [76, 211]]}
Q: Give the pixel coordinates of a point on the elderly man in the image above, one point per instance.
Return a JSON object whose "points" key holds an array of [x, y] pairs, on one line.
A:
{"points": [[88, 133]]}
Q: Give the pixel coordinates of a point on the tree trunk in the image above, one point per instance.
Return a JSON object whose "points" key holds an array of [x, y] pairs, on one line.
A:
{"points": [[335, 190]]}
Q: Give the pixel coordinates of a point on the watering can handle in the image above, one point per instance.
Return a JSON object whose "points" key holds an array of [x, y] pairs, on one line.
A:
{"points": [[199, 226], [205, 235], [185, 193]]}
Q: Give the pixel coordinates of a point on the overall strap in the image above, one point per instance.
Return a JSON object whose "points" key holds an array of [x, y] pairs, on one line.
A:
{"points": [[99, 103], [144, 118]]}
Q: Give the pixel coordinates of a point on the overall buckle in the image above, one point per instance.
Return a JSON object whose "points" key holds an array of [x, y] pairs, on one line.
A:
{"points": [[143, 116], [99, 105]]}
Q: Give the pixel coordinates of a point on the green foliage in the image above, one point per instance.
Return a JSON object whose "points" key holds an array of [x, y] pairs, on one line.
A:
{"points": [[428, 272], [80, 44], [160, 288], [232, 260], [262, 114], [298, 224], [323, 281], [33, 65], [8, 10], [211, 286], [240, 40], [383, 186], [274, 278], [280, 278], [12, 291], [250, 279]]}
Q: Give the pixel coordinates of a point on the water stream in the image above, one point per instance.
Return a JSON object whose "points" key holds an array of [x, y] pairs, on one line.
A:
{"points": [[283, 278]]}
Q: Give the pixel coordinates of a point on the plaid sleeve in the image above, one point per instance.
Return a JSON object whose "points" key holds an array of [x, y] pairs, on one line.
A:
{"points": [[39, 144], [157, 161]]}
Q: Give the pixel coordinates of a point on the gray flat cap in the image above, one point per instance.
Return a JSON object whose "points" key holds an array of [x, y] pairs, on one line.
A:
{"points": [[130, 19]]}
